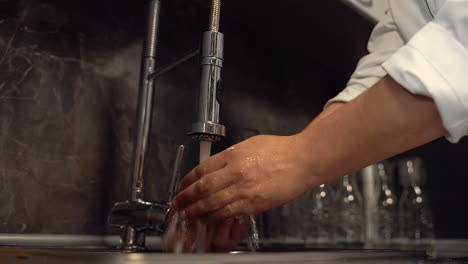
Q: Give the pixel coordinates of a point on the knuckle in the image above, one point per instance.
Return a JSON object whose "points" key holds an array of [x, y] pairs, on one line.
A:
{"points": [[237, 172], [257, 197], [228, 211], [244, 194], [196, 209], [201, 187], [199, 171], [206, 205], [211, 204], [229, 152]]}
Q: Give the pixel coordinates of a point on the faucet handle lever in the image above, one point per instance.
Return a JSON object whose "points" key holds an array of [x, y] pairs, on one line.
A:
{"points": [[176, 172], [139, 215]]}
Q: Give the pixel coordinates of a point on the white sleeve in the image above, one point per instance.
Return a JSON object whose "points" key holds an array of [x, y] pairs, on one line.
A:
{"points": [[384, 41], [434, 63]]}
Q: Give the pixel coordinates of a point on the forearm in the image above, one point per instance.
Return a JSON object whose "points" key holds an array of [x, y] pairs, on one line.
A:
{"points": [[265, 172], [384, 121], [329, 110]]}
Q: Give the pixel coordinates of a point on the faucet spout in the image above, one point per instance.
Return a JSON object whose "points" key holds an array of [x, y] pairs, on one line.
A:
{"points": [[208, 127]]}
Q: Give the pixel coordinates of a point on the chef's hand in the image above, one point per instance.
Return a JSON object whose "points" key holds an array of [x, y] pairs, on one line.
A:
{"points": [[251, 177], [219, 238]]}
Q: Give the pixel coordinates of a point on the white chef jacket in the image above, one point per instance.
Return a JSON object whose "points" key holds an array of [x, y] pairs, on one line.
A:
{"points": [[422, 45]]}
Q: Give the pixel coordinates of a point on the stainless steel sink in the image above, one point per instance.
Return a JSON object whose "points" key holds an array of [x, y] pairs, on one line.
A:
{"points": [[52, 256], [56, 249]]}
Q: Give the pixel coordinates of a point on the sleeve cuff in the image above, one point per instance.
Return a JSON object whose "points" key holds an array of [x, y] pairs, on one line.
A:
{"points": [[435, 64], [347, 95]]}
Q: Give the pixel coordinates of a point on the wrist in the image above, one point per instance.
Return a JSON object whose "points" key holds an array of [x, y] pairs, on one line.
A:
{"points": [[307, 158]]}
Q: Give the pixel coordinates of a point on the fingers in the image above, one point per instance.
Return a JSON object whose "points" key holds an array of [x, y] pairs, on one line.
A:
{"points": [[240, 230], [202, 189], [211, 203], [220, 238], [210, 236], [230, 233], [224, 232], [231, 210], [222, 241], [212, 164]]}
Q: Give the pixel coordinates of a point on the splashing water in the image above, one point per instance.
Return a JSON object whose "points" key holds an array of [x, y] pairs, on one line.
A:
{"points": [[172, 227], [171, 233], [179, 247], [253, 240]]}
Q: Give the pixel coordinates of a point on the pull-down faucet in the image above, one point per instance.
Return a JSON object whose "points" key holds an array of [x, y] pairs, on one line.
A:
{"points": [[137, 216], [208, 127]]}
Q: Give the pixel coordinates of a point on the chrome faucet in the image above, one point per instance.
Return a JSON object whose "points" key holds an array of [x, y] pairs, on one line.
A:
{"points": [[136, 216], [208, 127]]}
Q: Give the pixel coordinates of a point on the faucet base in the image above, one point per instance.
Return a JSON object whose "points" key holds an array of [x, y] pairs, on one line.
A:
{"points": [[132, 240], [136, 218]]}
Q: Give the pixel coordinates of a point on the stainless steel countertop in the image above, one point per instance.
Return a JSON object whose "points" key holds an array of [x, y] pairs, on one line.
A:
{"points": [[52, 256]]}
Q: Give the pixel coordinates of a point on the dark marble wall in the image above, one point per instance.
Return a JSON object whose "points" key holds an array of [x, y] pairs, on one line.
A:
{"points": [[68, 89]]}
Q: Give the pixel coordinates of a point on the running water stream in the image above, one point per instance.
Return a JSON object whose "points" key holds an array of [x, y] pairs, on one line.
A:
{"points": [[205, 150], [253, 240], [199, 246]]}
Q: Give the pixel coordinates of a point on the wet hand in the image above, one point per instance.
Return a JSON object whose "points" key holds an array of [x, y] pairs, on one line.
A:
{"points": [[251, 177], [185, 238]]}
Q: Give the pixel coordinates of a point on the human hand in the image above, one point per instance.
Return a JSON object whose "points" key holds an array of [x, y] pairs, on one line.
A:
{"points": [[183, 237], [251, 177]]}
